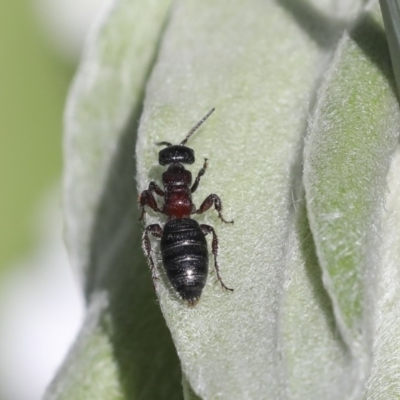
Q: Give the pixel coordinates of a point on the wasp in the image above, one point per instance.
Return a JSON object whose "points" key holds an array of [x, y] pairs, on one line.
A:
{"points": [[183, 244]]}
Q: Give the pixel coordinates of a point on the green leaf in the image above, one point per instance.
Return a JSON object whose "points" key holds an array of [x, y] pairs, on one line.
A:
{"points": [[391, 17], [315, 359], [349, 148], [300, 269], [124, 347], [231, 344], [383, 381]]}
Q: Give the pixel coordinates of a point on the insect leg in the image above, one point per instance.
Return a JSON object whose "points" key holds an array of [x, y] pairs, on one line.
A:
{"points": [[156, 231], [208, 202], [147, 198], [199, 175], [153, 187], [206, 229]]}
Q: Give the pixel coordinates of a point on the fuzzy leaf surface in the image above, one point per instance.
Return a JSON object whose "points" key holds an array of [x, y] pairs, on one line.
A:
{"points": [[258, 63], [124, 347], [348, 152]]}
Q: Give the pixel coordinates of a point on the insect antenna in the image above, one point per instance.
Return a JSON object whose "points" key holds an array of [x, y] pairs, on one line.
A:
{"points": [[164, 144], [196, 127]]}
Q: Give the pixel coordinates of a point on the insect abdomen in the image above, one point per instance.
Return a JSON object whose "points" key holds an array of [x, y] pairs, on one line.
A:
{"points": [[185, 257]]}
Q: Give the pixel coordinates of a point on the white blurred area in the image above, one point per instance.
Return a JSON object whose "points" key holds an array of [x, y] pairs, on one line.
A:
{"points": [[41, 303], [66, 23], [41, 310]]}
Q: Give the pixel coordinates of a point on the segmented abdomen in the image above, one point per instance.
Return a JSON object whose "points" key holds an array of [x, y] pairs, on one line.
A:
{"points": [[185, 257]]}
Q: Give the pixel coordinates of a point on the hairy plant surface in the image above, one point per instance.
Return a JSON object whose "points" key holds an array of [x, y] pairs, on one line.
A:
{"points": [[302, 151]]}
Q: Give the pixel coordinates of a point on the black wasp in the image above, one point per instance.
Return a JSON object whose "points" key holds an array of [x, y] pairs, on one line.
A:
{"points": [[183, 243]]}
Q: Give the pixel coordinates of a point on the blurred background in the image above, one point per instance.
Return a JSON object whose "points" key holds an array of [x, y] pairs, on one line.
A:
{"points": [[41, 306]]}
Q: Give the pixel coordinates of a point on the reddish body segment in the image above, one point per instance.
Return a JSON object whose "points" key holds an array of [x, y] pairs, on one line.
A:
{"points": [[178, 196]]}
